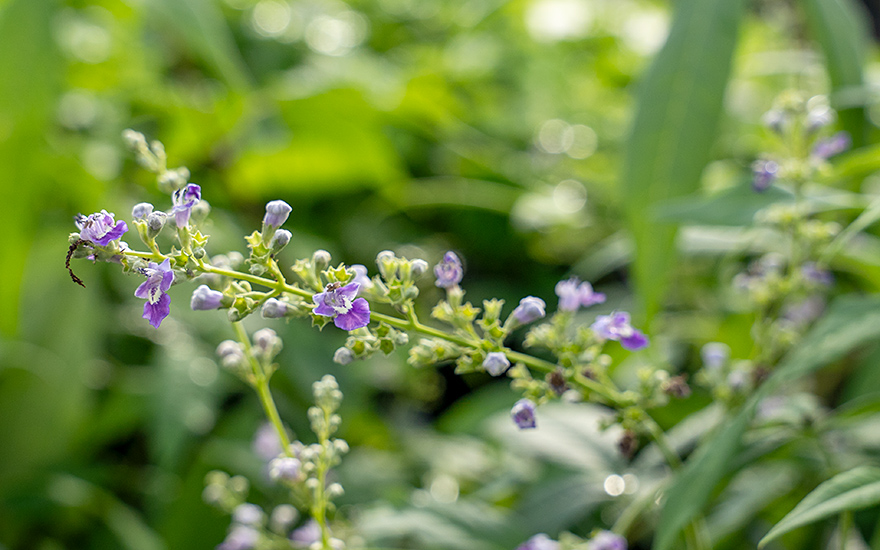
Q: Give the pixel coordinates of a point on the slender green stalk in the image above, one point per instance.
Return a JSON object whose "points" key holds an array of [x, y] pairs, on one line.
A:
{"points": [[261, 385], [319, 503]]}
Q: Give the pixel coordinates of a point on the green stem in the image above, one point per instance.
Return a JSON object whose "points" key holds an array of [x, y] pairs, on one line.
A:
{"points": [[319, 503], [260, 383], [846, 521]]}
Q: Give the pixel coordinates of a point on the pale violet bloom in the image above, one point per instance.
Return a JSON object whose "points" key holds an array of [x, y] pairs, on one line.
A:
{"points": [[764, 173], [348, 312], [159, 279], [100, 228], [523, 414], [496, 363], [306, 535], [248, 514], [606, 540], [831, 146], [141, 210], [274, 308], [276, 214], [343, 356], [539, 542], [617, 327], [204, 298], [240, 537], [573, 294], [183, 201], [284, 468], [449, 271], [529, 309], [715, 355]]}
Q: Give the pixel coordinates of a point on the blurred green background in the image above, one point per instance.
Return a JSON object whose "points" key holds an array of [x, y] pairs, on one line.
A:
{"points": [[520, 133]]}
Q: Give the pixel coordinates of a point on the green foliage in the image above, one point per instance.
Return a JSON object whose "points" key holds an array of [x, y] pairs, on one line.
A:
{"points": [[671, 139]]}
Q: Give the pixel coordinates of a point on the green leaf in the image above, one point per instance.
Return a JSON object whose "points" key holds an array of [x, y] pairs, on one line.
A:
{"points": [[734, 206], [853, 490], [201, 25], [840, 29], [680, 102], [31, 69], [851, 321]]}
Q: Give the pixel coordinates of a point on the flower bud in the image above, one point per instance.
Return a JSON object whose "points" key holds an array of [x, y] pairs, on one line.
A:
{"points": [[231, 354], [283, 517], [419, 268], [529, 309], [321, 259], [276, 214], [203, 299], [523, 414], [248, 514], [386, 261], [449, 271], [141, 210], [496, 363], [274, 309], [279, 241], [155, 223], [343, 356], [267, 343], [284, 469]]}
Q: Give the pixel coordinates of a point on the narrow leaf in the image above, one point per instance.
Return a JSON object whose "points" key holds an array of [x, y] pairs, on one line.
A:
{"points": [[852, 490], [680, 102], [851, 321], [839, 28], [202, 26]]}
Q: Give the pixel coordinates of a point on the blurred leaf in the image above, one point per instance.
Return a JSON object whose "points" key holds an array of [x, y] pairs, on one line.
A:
{"points": [[201, 24], [840, 28], [852, 490], [335, 143], [458, 192], [867, 218], [748, 494], [680, 102], [850, 322], [735, 206], [31, 70]]}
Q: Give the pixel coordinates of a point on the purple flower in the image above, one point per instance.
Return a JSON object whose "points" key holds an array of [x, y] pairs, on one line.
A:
{"points": [[276, 214], [159, 279], [831, 146], [496, 363], [305, 535], [348, 312], [183, 200], [606, 540], [764, 173], [812, 273], [529, 309], [617, 327], [241, 537], [573, 294], [204, 298], [449, 271], [539, 542], [100, 228], [523, 414]]}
